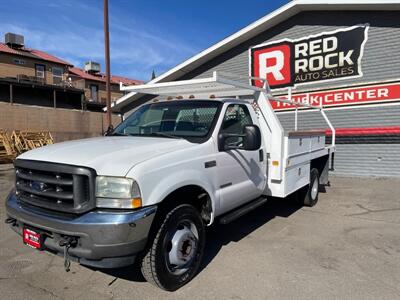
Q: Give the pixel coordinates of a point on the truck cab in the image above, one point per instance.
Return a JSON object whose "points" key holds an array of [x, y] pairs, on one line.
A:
{"points": [[174, 166]]}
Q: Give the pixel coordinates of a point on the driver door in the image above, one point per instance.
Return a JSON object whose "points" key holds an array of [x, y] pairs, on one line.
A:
{"points": [[241, 173]]}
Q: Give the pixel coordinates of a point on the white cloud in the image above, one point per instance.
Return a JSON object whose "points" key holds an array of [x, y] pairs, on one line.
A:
{"points": [[135, 50]]}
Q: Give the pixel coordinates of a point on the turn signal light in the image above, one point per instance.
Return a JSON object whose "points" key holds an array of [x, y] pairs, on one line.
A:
{"points": [[136, 202]]}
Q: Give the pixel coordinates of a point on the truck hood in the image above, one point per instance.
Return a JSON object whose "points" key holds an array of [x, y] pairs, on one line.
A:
{"points": [[113, 156]]}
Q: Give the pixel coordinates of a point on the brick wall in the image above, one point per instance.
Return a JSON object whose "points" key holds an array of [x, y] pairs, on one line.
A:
{"points": [[64, 124]]}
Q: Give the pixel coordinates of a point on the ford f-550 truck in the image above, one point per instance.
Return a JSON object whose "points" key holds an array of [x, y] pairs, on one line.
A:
{"points": [[148, 190]]}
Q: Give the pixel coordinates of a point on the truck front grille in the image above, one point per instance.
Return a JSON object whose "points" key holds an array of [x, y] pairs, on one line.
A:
{"points": [[54, 186]]}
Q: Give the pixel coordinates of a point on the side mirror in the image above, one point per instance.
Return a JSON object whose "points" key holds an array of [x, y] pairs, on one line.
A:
{"points": [[252, 137]]}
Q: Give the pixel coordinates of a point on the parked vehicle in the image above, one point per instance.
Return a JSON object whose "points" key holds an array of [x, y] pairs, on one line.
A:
{"points": [[171, 168]]}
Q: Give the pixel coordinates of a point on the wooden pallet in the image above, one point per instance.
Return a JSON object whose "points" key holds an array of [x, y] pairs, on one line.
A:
{"points": [[36, 139], [18, 141], [21, 141], [28, 140], [7, 150]]}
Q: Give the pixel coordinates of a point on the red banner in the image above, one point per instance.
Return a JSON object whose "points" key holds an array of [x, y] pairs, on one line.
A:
{"points": [[350, 96], [391, 130]]}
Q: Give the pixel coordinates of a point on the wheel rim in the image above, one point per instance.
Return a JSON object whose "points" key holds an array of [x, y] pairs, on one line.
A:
{"points": [[181, 247], [314, 189]]}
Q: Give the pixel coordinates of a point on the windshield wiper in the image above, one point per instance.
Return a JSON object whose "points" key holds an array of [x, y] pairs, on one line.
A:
{"points": [[117, 134], [163, 134]]}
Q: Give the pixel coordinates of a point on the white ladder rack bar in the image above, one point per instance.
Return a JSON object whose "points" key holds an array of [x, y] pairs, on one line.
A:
{"points": [[266, 89], [333, 130], [221, 84]]}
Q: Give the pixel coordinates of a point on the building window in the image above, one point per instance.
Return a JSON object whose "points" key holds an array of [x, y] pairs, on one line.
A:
{"points": [[18, 61], [40, 70], [94, 92], [57, 75]]}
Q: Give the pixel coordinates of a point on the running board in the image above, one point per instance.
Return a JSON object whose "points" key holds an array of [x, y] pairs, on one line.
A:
{"points": [[237, 213]]}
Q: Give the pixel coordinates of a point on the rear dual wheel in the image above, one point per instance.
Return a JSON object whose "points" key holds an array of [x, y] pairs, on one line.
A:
{"points": [[311, 192], [175, 255]]}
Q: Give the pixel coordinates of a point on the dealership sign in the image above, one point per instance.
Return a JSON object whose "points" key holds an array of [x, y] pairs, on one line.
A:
{"points": [[348, 96], [326, 56]]}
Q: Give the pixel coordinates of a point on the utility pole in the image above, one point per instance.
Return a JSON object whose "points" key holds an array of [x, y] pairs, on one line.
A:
{"points": [[107, 60]]}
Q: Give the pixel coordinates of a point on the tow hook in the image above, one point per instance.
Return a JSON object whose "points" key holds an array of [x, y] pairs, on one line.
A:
{"points": [[67, 242], [11, 221]]}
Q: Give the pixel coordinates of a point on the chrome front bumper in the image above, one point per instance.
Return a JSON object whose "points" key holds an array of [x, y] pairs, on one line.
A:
{"points": [[106, 239]]}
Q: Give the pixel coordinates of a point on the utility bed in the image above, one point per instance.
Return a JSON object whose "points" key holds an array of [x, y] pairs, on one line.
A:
{"points": [[300, 148]]}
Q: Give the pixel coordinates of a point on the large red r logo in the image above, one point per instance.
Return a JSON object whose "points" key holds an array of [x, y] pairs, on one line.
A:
{"points": [[272, 63]]}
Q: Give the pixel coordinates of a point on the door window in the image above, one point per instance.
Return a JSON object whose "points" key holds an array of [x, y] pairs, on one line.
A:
{"points": [[236, 117]]}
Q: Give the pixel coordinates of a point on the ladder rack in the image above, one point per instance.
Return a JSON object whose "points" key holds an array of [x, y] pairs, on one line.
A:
{"points": [[220, 85]]}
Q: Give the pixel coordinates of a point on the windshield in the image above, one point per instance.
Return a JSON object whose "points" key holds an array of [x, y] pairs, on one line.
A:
{"points": [[175, 119]]}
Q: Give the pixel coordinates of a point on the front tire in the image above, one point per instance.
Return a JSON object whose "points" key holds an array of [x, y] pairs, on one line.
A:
{"points": [[175, 255]]}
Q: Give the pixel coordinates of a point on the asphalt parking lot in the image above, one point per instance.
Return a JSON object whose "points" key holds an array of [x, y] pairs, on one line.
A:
{"points": [[346, 247]]}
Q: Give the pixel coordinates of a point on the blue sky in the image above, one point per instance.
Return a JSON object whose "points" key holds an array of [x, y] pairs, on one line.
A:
{"points": [[144, 35]]}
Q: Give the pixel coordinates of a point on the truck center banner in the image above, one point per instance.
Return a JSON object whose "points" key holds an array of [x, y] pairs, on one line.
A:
{"points": [[348, 96], [326, 56]]}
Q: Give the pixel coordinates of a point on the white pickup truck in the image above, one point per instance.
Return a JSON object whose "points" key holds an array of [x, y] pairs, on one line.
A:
{"points": [[148, 190]]}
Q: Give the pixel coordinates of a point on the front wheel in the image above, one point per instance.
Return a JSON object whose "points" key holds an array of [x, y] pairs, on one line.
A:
{"points": [[175, 254]]}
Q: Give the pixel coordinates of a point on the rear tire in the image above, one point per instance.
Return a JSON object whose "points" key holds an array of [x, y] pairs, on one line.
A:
{"points": [[175, 255], [312, 190]]}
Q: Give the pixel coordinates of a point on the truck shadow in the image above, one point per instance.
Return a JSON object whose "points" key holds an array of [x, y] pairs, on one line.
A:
{"points": [[219, 235]]}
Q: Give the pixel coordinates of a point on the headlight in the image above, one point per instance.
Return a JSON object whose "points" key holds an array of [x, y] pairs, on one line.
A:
{"points": [[117, 192]]}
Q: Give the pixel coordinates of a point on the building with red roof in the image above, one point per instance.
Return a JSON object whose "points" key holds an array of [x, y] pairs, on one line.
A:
{"points": [[31, 76], [31, 65], [93, 82]]}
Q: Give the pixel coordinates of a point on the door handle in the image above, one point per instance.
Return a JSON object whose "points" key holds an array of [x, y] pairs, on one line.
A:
{"points": [[261, 155]]}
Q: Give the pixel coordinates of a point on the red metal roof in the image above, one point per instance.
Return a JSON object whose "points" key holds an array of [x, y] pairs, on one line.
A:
{"points": [[49, 57], [125, 81], [37, 54], [101, 77], [33, 53]]}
